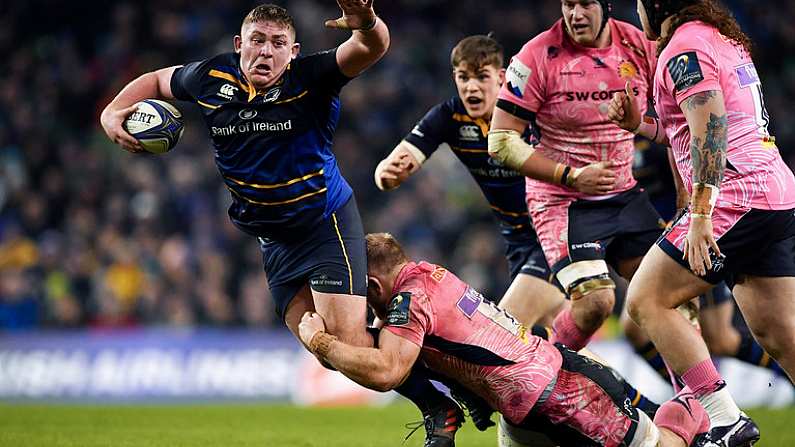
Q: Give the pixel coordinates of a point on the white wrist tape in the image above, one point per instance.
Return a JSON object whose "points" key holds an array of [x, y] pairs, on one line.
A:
{"points": [[508, 147]]}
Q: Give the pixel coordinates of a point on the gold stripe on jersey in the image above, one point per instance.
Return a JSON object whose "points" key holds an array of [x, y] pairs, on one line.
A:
{"points": [[507, 213], [276, 185], [283, 202], [231, 78], [344, 252], [300, 95], [480, 122], [209, 106], [474, 151]]}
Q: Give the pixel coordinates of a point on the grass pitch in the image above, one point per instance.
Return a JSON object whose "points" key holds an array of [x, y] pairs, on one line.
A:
{"points": [[255, 425]]}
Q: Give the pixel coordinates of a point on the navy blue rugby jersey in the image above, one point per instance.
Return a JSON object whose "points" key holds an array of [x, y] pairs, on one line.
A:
{"points": [[449, 124], [273, 147]]}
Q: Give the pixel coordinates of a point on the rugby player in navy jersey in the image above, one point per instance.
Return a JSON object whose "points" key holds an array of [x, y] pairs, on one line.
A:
{"points": [[271, 114], [461, 124]]}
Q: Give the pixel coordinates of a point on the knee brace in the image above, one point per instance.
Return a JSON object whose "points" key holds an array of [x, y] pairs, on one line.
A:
{"points": [[583, 277]]}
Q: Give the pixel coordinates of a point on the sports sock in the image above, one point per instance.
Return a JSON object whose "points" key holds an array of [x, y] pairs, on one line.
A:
{"points": [[640, 401], [684, 416], [711, 391], [567, 332], [751, 352], [418, 388], [654, 359]]}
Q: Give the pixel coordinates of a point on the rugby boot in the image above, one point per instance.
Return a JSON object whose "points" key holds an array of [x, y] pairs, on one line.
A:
{"points": [[743, 433], [441, 424], [479, 410]]}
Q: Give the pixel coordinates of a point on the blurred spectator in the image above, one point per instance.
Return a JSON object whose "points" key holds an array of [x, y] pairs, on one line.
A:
{"points": [[92, 235]]}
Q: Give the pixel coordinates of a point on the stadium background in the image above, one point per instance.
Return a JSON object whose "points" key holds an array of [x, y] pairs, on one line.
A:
{"points": [[94, 240]]}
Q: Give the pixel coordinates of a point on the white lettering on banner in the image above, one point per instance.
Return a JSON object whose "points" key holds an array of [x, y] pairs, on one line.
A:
{"points": [[135, 373]]}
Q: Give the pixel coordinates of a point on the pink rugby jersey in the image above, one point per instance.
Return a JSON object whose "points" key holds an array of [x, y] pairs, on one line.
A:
{"points": [[699, 59], [569, 88], [466, 337]]}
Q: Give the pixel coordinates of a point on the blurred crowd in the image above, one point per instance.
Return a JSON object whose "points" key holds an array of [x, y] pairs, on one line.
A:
{"points": [[91, 236]]}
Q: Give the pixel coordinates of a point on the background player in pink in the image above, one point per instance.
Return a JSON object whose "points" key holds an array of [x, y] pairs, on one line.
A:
{"points": [[585, 204], [739, 226], [433, 316]]}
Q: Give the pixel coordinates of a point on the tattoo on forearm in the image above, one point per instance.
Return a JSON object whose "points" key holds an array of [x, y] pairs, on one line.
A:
{"points": [[709, 159], [699, 99]]}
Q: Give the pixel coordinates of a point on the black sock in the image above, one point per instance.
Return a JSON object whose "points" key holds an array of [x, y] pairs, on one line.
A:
{"points": [[751, 352], [654, 359], [418, 388]]}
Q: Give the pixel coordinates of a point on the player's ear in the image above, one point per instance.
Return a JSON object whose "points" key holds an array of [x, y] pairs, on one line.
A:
{"points": [[237, 42], [501, 75], [295, 50]]}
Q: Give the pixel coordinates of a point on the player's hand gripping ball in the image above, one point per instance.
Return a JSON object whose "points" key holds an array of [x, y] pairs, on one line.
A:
{"points": [[156, 124]]}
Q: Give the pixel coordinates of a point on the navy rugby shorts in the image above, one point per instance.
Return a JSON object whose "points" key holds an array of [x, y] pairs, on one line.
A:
{"points": [[331, 258]]}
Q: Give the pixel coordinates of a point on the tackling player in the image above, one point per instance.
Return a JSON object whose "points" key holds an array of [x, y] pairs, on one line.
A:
{"points": [[432, 316], [739, 226], [585, 205], [461, 124], [271, 115]]}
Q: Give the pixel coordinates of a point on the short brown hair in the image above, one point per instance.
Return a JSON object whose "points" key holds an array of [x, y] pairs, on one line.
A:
{"points": [[383, 253], [477, 51], [270, 13]]}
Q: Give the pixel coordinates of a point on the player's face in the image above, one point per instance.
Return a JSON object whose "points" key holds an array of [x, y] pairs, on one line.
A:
{"points": [[644, 22], [583, 20], [266, 48], [478, 88]]}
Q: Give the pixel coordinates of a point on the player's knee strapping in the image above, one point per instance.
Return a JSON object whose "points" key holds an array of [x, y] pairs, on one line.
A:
{"points": [[585, 277]]}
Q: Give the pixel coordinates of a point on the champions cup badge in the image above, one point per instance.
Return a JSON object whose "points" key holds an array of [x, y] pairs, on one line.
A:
{"points": [[627, 70]]}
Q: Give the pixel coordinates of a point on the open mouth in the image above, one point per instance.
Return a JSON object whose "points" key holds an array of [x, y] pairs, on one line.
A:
{"points": [[473, 100], [579, 28], [262, 68]]}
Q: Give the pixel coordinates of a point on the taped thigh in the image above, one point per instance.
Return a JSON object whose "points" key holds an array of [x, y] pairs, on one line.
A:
{"points": [[584, 277]]}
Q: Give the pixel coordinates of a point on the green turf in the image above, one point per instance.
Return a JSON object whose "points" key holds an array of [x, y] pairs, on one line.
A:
{"points": [[254, 425]]}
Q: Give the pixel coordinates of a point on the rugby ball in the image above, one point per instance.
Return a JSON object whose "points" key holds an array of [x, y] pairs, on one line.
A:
{"points": [[156, 124]]}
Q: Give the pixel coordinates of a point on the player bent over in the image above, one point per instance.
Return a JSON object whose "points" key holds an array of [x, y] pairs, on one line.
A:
{"points": [[271, 115], [739, 226], [433, 317]]}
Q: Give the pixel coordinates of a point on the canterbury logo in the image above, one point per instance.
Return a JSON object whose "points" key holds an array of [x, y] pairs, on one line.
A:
{"points": [[469, 132], [227, 90]]}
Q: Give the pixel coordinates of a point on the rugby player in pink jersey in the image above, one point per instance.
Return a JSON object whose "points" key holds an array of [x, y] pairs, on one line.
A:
{"points": [[434, 318], [584, 202], [739, 226]]}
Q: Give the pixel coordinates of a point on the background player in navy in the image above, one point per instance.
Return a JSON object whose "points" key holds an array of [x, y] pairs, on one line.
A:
{"points": [[461, 124]]}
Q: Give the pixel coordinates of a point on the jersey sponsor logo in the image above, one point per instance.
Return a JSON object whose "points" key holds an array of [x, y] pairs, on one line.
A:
{"points": [[438, 274], [517, 76], [587, 245], [227, 91], [247, 114], [597, 95], [272, 94], [747, 75], [250, 127], [685, 70], [397, 314], [469, 133], [469, 302], [599, 62], [573, 73], [325, 281]]}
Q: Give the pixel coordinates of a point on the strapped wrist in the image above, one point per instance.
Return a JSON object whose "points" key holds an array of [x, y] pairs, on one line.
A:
{"points": [[320, 345], [650, 128], [703, 199]]}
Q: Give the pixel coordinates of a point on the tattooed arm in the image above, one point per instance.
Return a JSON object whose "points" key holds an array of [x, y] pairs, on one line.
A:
{"points": [[706, 118]]}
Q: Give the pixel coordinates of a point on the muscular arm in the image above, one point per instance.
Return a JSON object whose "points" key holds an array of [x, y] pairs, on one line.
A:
{"points": [[534, 165], [363, 49], [706, 117], [156, 84], [380, 369]]}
